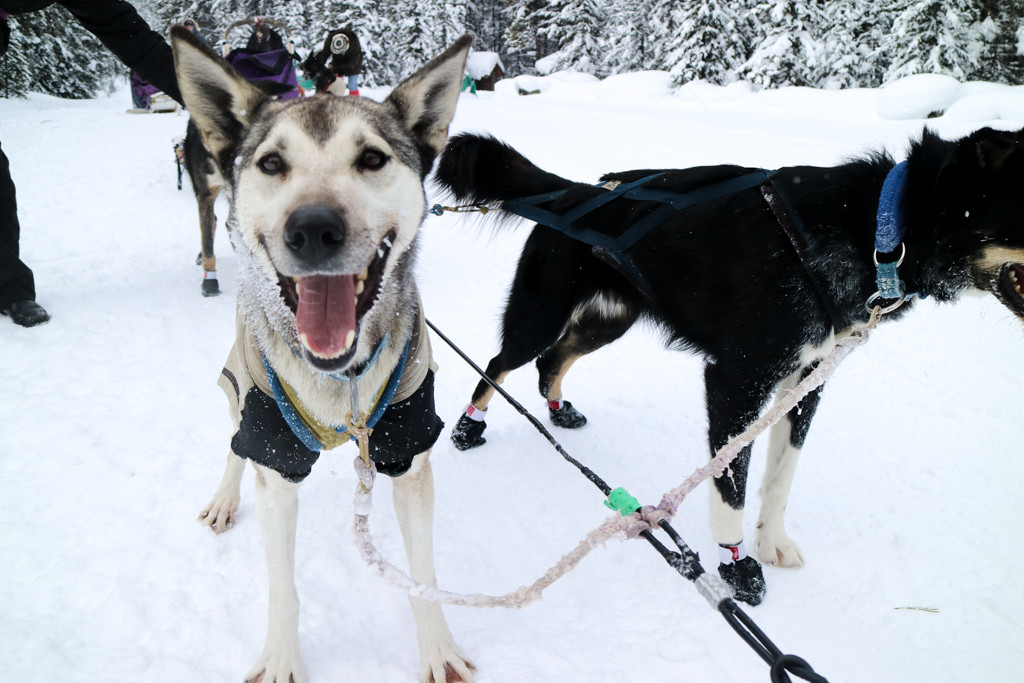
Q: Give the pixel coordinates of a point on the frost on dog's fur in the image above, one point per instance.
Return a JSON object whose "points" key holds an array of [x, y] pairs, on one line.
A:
{"points": [[326, 198]]}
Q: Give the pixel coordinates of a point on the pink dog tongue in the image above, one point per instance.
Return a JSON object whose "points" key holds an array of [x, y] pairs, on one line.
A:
{"points": [[326, 313]]}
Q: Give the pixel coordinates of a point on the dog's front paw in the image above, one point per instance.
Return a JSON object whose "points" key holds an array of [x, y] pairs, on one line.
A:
{"points": [[778, 550], [468, 433], [221, 512], [284, 666], [745, 578], [448, 665]]}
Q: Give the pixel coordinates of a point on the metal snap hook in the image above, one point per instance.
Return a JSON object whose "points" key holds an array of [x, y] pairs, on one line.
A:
{"points": [[869, 304], [903, 255]]}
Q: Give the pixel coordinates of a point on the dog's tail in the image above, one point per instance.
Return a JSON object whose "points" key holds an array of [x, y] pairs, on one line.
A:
{"points": [[481, 169]]}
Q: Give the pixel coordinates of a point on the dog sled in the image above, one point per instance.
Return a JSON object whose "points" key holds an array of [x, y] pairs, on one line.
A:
{"points": [[148, 99], [266, 56]]}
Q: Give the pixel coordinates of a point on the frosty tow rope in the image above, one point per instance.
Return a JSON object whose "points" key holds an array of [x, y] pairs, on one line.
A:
{"points": [[635, 520]]}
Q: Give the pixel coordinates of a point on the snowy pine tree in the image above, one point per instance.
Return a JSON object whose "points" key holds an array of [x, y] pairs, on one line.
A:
{"points": [[787, 47], [1002, 31], [853, 34], [709, 42], [50, 52], [629, 39], [487, 21], [575, 26], [524, 44], [933, 36]]}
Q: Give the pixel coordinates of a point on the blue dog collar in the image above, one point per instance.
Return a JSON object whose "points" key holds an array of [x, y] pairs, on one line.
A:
{"points": [[889, 232]]}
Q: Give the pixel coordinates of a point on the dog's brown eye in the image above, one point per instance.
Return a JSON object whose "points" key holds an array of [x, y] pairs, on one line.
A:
{"points": [[271, 164], [372, 160]]}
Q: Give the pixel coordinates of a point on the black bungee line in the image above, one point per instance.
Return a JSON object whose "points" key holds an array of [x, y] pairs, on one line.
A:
{"points": [[686, 561]]}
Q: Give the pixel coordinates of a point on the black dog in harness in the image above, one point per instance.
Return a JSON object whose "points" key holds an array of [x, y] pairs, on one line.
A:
{"points": [[612, 249]]}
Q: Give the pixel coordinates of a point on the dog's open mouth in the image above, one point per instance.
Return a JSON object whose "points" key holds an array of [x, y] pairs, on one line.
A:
{"points": [[1011, 283], [328, 309]]}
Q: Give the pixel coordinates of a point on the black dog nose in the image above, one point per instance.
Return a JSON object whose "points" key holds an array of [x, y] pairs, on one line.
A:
{"points": [[314, 233]]}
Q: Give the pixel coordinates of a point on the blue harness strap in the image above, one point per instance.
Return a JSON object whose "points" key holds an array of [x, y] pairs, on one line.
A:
{"points": [[299, 428]]}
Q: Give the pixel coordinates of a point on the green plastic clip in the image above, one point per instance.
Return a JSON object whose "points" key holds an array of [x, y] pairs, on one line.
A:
{"points": [[620, 500]]}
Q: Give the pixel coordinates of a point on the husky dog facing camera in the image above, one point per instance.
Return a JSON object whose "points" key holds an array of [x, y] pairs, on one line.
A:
{"points": [[326, 198]]}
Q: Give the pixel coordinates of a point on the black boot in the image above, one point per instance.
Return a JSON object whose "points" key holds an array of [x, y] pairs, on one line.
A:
{"points": [[467, 433], [27, 313], [567, 416], [211, 287], [745, 578]]}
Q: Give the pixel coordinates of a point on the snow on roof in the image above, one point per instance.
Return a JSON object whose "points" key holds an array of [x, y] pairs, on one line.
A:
{"points": [[481, 64]]}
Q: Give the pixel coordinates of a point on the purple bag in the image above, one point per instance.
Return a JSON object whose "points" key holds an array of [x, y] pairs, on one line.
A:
{"points": [[141, 88], [276, 66]]}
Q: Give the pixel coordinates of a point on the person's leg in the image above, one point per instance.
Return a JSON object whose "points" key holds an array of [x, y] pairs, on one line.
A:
{"points": [[17, 285], [353, 84]]}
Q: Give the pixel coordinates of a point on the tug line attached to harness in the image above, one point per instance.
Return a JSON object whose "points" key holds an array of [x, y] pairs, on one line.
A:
{"points": [[637, 520], [634, 520]]}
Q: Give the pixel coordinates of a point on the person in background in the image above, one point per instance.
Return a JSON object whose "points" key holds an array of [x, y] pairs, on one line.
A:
{"points": [[346, 59], [119, 27], [193, 28]]}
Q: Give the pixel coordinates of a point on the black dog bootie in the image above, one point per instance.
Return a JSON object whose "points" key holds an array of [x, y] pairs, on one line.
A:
{"points": [[745, 578], [467, 433], [565, 415]]}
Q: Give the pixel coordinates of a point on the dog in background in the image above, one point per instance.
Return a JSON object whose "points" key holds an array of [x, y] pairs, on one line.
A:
{"points": [[763, 303], [207, 183], [326, 202]]}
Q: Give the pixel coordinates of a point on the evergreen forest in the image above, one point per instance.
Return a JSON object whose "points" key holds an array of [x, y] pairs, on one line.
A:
{"points": [[771, 43]]}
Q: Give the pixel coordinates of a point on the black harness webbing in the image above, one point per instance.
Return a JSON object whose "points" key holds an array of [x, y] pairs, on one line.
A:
{"points": [[612, 248], [794, 230]]}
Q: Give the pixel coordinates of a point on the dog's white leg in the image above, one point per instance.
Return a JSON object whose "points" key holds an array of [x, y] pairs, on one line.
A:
{"points": [[726, 521], [277, 507], [785, 443], [774, 546], [222, 510], [441, 660]]}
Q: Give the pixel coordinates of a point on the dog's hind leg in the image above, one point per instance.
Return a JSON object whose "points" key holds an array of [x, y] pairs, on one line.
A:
{"points": [[441, 660], [222, 510], [595, 324], [785, 442], [734, 399], [277, 506], [532, 322]]}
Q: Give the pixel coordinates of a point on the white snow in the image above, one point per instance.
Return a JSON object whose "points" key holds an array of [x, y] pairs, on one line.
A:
{"points": [[113, 436]]}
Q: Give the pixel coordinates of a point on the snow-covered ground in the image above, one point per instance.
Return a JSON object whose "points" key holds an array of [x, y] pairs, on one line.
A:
{"points": [[113, 434]]}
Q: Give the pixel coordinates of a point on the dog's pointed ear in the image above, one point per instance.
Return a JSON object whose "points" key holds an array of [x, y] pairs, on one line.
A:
{"points": [[992, 148], [221, 102], [426, 100]]}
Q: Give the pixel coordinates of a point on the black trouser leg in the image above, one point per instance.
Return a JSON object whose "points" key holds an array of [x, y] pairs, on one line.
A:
{"points": [[16, 281]]}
